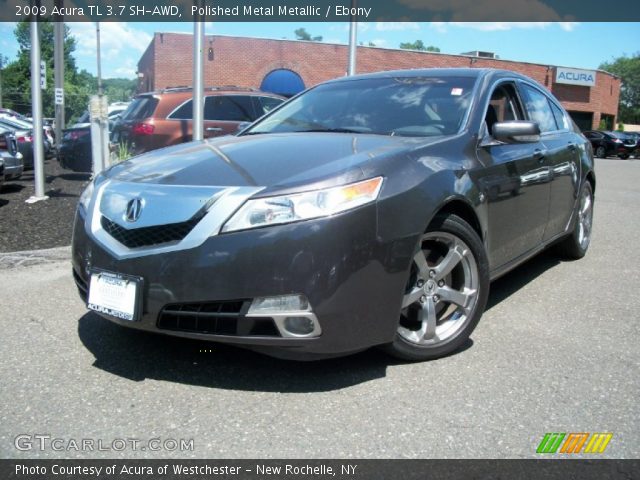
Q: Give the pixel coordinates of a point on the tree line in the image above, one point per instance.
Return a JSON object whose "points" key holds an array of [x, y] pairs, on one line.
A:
{"points": [[78, 85]]}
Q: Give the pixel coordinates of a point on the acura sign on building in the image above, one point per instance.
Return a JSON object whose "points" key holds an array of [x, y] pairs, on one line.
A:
{"points": [[574, 76]]}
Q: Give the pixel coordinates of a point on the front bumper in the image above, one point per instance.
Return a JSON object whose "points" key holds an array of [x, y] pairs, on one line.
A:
{"points": [[354, 281]]}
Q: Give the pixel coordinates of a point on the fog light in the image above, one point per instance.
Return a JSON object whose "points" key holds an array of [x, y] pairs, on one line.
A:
{"points": [[292, 314], [282, 303], [299, 325]]}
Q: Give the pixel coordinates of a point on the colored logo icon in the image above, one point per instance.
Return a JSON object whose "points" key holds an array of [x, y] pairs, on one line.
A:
{"points": [[574, 442]]}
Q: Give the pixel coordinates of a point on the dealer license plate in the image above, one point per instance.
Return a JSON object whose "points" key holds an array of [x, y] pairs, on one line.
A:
{"points": [[115, 295]]}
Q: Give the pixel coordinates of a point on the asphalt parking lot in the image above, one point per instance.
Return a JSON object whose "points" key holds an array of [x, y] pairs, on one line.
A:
{"points": [[556, 351]]}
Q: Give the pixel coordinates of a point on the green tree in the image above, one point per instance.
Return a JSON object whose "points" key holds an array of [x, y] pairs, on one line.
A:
{"points": [[302, 34], [628, 69], [78, 85], [418, 45]]}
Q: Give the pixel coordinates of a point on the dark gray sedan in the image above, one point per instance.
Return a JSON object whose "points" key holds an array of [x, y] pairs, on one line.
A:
{"points": [[368, 211]]}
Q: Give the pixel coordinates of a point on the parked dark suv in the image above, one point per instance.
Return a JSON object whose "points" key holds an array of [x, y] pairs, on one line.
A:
{"points": [[163, 118], [606, 144]]}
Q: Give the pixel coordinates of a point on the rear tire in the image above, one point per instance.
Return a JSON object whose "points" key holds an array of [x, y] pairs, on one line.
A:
{"points": [[575, 246], [446, 292]]}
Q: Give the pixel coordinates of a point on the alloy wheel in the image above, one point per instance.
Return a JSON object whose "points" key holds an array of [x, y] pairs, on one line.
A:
{"points": [[442, 292]]}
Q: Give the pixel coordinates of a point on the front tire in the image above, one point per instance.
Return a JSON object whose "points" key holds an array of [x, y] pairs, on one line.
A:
{"points": [[446, 292], [601, 152]]}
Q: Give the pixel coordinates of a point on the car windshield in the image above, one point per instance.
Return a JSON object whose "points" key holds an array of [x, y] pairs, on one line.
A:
{"points": [[407, 106]]}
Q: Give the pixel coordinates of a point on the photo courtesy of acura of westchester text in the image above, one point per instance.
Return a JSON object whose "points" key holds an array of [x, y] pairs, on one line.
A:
{"points": [[238, 238]]}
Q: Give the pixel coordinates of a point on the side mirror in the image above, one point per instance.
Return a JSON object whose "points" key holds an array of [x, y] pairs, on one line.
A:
{"points": [[517, 131]]}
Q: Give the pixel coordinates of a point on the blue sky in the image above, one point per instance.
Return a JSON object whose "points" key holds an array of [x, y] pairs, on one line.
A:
{"points": [[572, 44]]}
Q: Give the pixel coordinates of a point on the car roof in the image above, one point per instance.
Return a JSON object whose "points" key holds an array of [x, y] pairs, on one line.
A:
{"points": [[224, 89], [434, 72]]}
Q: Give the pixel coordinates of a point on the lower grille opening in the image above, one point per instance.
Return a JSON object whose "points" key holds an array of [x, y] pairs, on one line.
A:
{"points": [[216, 318]]}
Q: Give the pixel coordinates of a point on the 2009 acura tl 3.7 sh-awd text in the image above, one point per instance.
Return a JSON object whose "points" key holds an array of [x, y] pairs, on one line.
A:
{"points": [[368, 211]]}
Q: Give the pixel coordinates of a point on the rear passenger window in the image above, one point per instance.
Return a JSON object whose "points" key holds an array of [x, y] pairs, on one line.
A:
{"points": [[539, 110], [561, 118], [138, 109], [183, 112], [268, 104], [234, 108]]}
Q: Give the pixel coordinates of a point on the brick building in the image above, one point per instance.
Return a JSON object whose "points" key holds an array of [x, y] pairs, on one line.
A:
{"points": [[589, 96]]}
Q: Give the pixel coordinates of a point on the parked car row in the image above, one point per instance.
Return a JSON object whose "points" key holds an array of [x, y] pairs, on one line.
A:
{"points": [[11, 159], [608, 143], [22, 128]]}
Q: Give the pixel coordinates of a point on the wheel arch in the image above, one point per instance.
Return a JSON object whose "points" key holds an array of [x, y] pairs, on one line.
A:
{"points": [[591, 178], [464, 210]]}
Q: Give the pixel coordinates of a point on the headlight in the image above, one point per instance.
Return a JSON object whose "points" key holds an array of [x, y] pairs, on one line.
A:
{"points": [[263, 212], [86, 195]]}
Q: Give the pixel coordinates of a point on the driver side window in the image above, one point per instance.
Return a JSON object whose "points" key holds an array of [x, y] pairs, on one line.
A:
{"points": [[503, 106]]}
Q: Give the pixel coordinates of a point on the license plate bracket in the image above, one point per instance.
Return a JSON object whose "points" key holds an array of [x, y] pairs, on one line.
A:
{"points": [[115, 294]]}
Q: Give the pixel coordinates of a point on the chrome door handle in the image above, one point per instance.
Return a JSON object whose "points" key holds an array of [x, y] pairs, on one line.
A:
{"points": [[214, 129]]}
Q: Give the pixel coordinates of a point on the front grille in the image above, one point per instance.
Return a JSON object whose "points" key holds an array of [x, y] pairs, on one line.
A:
{"points": [[216, 318], [148, 236], [83, 288]]}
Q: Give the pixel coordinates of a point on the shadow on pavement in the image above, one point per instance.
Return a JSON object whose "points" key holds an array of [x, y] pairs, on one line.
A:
{"points": [[138, 355], [504, 287]]}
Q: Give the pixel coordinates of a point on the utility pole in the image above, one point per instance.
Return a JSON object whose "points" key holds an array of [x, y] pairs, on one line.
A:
{"points": [[36, 113], [58, 67], [98, 56], [98, 114], [198, 80], [353, 34]]}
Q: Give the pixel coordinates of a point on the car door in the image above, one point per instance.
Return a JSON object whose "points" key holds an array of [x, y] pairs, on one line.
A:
{"points": [[561, 153], [223, 114], [514, 180]]}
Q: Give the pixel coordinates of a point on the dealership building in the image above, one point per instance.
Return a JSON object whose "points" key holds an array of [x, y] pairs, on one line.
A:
{"points": [[288, 66]]}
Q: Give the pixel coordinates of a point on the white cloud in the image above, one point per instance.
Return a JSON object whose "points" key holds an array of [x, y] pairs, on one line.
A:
{"points": [[126, 69], [379, 42], [396, 26], [502, 26], [118, 40]]}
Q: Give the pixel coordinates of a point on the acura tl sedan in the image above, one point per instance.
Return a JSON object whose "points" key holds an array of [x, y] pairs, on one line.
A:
{"points": [[372, 210]]}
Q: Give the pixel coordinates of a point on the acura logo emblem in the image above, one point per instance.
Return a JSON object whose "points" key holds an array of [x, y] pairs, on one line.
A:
{"points": [[134, 209]]}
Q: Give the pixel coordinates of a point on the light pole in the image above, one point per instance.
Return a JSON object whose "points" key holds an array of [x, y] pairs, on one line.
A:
{"points": [[36, 113], [58, 67], [353, 34], [198, 80], [98, 56]]}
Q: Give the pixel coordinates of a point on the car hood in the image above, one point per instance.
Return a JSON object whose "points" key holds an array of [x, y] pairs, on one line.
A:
{"points": [[215, 177], [275, 161]]}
